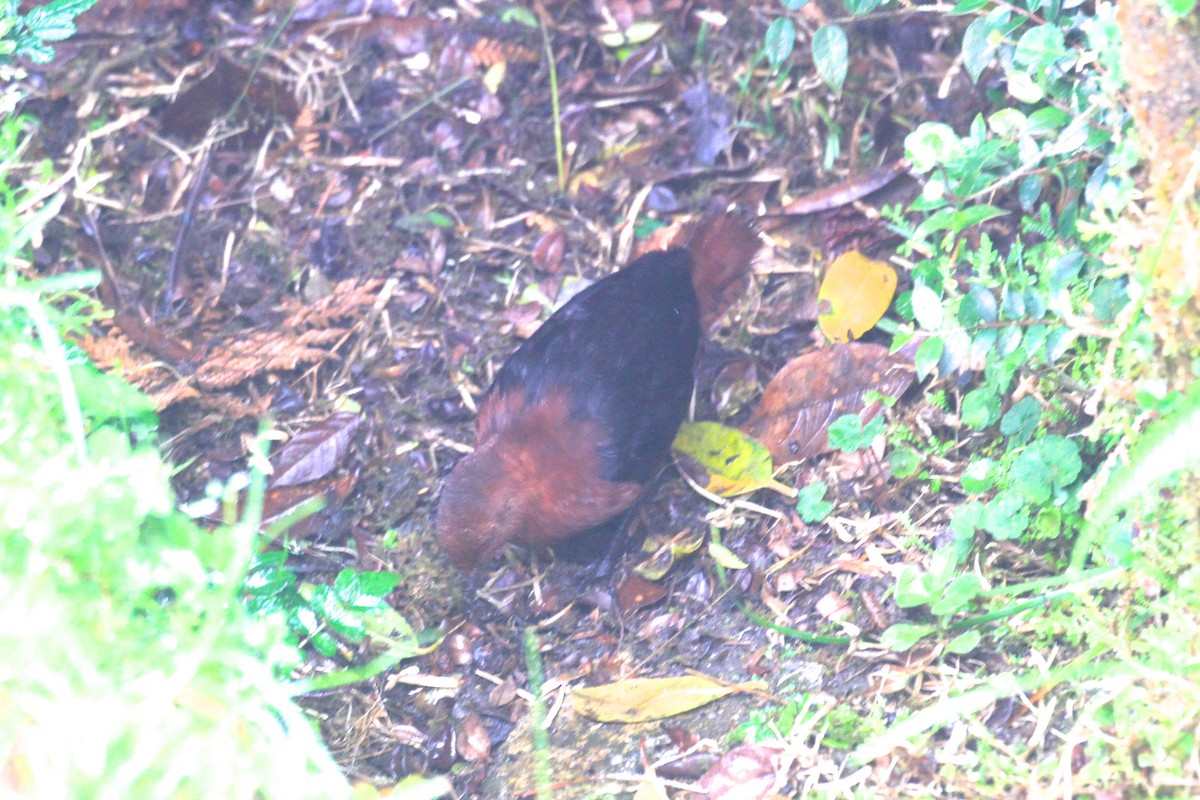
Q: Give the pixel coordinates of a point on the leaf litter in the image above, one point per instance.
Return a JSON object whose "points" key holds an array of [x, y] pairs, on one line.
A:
{"points": [[361, 195]]}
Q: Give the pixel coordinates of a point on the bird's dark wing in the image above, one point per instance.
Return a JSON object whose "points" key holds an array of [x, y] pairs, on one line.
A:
{"points": [[624, 350]]}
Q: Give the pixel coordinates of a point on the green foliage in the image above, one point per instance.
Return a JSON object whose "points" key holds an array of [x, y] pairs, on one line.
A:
{"points": [[319, 614], [126, 651], [775, 723], [129, 667], [811, 503], [848, 433], [831, 55], [28, 34], [946, 594]]}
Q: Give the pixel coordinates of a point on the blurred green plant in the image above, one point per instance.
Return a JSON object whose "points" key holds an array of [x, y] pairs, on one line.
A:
{"points": [[129, 666]]}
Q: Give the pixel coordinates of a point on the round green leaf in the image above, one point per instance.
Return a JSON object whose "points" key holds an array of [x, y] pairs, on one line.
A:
{"points": [[927, 307], [980, 408], [977, 478], [1040, 46], [931, 144], [903, 635], [903, 461], [1022, 419], [1005, 516], [1061, 457]]}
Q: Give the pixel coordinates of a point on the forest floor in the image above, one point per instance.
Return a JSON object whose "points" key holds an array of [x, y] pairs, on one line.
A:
{"points": [[344, 219]]}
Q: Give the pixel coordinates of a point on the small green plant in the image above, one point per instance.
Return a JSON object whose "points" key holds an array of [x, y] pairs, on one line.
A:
{"points": [[944, 592], [126, 651], [811, 503], [28, 34], [848, 433], [319, 614]]}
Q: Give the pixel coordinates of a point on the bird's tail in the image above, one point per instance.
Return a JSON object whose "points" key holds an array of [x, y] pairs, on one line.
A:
{"points": [[723, 246]]}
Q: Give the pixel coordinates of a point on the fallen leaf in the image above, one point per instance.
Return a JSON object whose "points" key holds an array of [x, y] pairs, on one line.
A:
{"points": [[636, 592], [854, 295], [645, 699], [315, 451], [724, 460], [725, 557], [750, 772], [666, 554], [651, 786], [474, 742], [792, 419], [548, 250]]}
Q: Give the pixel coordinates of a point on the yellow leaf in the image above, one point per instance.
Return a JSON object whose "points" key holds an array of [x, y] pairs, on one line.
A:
{"points": [[651, 786], [645, 699], [854, 296], [725, 557], [495, 76], [724, 460], [666, 554], [637, 33]]}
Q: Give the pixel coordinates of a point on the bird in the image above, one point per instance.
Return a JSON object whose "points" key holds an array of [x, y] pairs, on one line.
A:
{"points": [[580, 418]]}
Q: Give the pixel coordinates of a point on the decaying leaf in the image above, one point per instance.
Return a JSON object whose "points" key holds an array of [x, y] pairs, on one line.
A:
{"points": [[724, 460], [749, 772], [315, 451], [811, 391], [635, 592], [666, 554], [854, 296], [644, 699]]}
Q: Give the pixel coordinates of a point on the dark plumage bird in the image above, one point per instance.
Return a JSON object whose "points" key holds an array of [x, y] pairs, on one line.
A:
{"points": [[581, 417]]}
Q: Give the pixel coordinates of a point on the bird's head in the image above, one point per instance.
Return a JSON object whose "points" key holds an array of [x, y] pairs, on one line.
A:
{"points": [[480, 511]]}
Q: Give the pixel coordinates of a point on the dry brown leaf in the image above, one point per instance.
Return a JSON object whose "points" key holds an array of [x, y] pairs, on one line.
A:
{"points": [[750, 772], [811, 391]]}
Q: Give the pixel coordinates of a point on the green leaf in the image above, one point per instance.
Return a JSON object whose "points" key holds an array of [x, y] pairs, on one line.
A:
{"points": [[932, 144], [520, 15], [1022, 419], [1040, 46], [779, 41], [928, 355], [981, 408], [1023, 88], [831, 55], [964, 643], [1005, 516], [900, 637], [1177, 8], [903, 461], [725, 557], [1061, 457], [811, 503], [978, 47], [957, 595], [977, 478], [848, 434], [912, 587], [927, 307], [968, 7]]}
